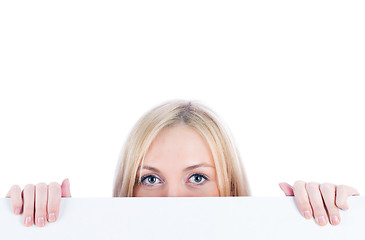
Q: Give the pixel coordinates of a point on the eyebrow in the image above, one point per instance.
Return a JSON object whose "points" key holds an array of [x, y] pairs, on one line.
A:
{"points": [[186, 169]]}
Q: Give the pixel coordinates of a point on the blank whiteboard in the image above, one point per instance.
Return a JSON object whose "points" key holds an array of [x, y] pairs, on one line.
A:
{"points": [[184, 218]]}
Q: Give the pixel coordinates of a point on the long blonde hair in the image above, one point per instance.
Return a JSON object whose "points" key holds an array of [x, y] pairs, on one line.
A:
{"points": [[231, 176]]}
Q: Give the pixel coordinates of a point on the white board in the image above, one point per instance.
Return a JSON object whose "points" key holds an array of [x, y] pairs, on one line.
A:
{"points": [[184, 218]]}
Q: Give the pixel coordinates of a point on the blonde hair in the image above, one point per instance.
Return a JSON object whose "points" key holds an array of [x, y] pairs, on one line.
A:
{"points": [[231, 176]]}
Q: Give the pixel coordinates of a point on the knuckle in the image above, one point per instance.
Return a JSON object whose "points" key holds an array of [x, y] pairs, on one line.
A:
{"points": [[298, 186], [15, 193], [299, 183], [326, 186], [341, 188], [15, 188], [312, 185], [56, 184], [42, 185], [29, 186], [28, 190], [54, 194]]}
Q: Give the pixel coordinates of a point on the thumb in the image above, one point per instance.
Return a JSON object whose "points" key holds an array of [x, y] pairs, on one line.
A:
{"points": [[65, 187], [287, 189]]}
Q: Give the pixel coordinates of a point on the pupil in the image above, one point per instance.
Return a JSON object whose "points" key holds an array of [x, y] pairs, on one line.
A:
{"points": [[152, 179], [198, 178]]}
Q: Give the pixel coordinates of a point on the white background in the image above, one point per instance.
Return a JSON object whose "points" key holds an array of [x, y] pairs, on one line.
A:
{"points": [[287, 78]]}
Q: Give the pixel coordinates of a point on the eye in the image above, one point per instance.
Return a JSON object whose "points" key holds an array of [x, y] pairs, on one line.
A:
{"points": [[150, 180], [198, 178]]}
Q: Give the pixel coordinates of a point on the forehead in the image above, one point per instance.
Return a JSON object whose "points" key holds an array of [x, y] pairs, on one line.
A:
{"points": [[178, 146]]}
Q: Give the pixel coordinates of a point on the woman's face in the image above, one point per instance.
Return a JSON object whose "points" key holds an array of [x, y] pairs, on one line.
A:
{"points": [[178, 164]]}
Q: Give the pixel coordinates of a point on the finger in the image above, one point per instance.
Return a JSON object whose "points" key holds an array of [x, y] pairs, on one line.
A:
{"points": [[54, 201], [66, 188], [15, 193], [28, 209], [287, 189], [316, 201], [40, 204], [342, 194], [302, 199], [328, 192]]}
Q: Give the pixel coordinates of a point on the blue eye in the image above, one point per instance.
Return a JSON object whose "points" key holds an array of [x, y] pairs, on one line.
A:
{"points": [[198, 178], [150, 180]]}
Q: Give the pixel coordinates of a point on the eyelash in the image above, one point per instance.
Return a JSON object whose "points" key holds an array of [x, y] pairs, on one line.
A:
{"points": [[201, 175], [192, 175], [147, 176]]}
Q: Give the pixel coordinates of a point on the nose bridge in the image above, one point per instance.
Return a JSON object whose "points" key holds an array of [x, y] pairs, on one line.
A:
{"points": [[175, 189]]}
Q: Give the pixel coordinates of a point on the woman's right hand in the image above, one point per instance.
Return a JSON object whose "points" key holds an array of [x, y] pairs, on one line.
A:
{"points": [[39, 202]]}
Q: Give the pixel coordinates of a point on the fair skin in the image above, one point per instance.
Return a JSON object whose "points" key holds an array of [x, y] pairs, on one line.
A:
{"points": [[175, 167], [179, 164]]}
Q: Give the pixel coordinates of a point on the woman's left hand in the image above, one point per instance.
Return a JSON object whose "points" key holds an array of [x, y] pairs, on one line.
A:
{"points": [[313, 199]]}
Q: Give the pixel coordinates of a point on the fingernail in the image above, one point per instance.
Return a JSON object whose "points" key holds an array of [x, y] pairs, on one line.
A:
{"points": [[17, 211], [41, 221], [28, 220], [321, 220], [307, 214], [335, 220], [52, 217]]}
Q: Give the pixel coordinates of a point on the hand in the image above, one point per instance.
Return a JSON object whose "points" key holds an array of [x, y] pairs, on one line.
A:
{"points": [[313, 199], [37, 196]]}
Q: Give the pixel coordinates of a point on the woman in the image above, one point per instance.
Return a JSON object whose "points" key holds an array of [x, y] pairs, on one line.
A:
{"points": [[181, 149]]}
